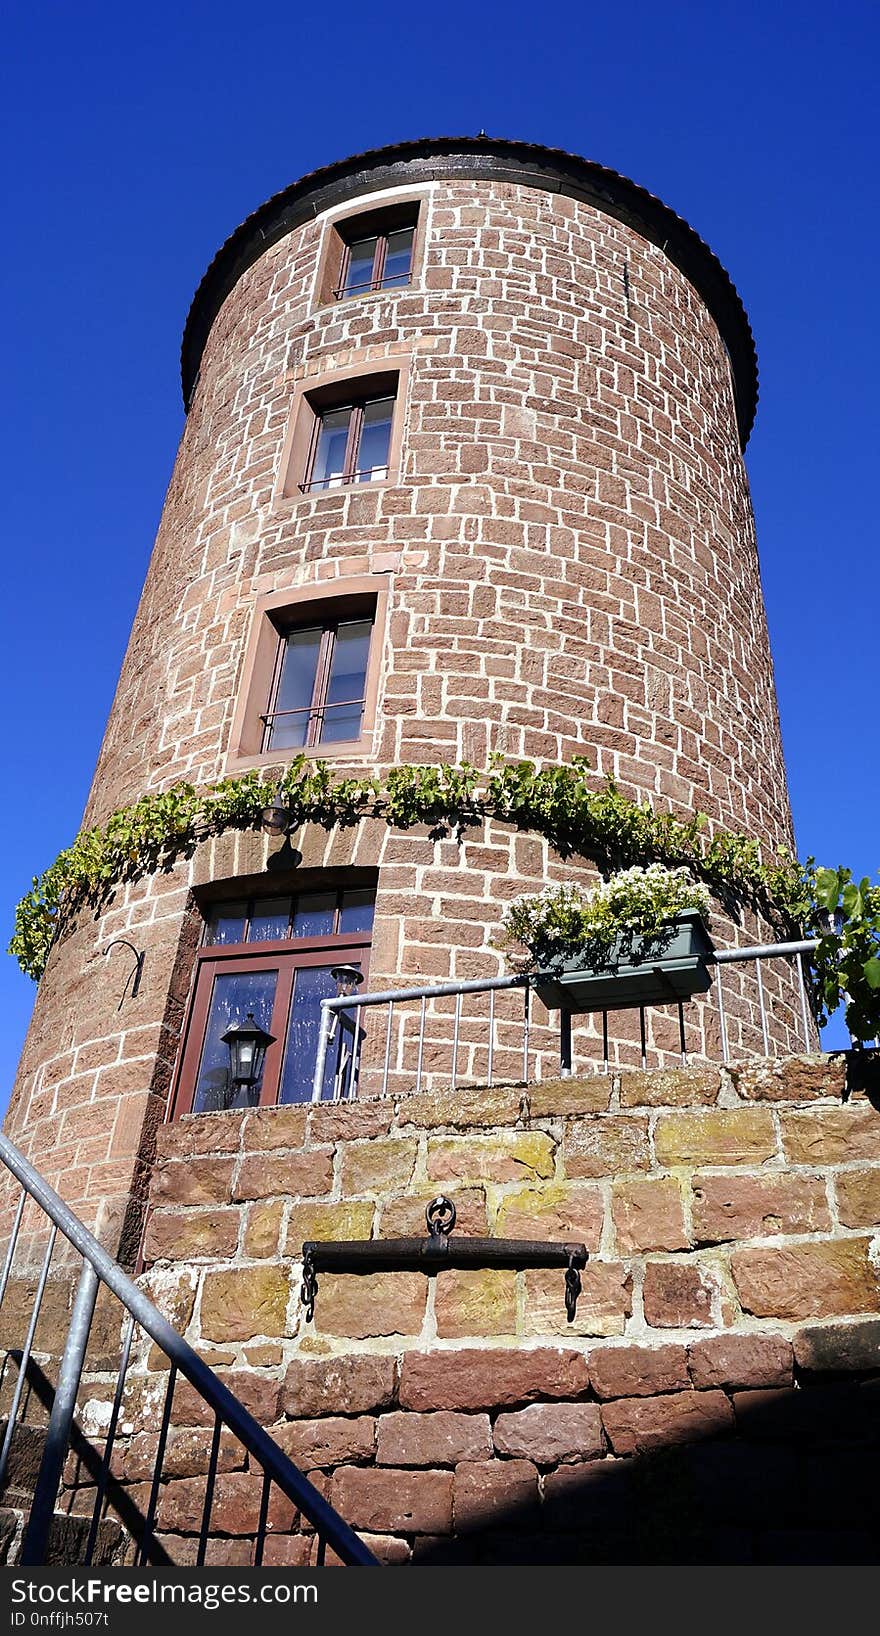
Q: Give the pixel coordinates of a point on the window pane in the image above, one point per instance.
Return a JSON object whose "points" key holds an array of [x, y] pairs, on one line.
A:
{"points": [[226, 924], [233, 996], [348, 679], [398, 257], [295, 688], [361, 256], [372, 456], [315, 914], [270, 919], [313, 984], [356, 913], [330, 453]]}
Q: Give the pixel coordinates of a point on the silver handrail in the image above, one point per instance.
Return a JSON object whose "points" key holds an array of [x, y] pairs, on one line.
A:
{"points": [[333, 1007], [99, 1266]]}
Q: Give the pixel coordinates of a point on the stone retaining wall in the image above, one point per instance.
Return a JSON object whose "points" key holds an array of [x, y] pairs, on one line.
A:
{"points": [[718, 1384]]}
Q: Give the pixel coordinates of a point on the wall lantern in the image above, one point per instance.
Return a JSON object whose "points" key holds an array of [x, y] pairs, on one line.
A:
{"points": [[275, 820], [347, 980], [247, 1044], [830, 922]]}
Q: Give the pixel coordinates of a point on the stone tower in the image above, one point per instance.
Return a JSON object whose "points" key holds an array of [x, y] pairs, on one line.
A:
{"points": [[462, 474]]}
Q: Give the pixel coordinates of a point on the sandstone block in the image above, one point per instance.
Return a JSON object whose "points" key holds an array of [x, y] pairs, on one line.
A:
{"points": [[481, 1301], [839, 1348], [550, 1433], [282, 1127], [737, 1206], [442, 1438], [604, 1304], [569, 1098], [669, 1088], [288, 1175], [858, 1197], [648, 1214], [740, 1361], [173, 1237], [638, 1371], [790, 1079], [386, 1501], [371, 1304], [514, 1156], [384, 1164], [724, 1136], [405, 1218], [493, 1493], [349, 1121], [343, 1385], [831, 1136], [822, 1278], [607, 1146], [193, 1181], [468, 1110], [320, 1223], [485, 1379], [565, 1210], [262, 1229], [198, 1135], [260, 1394], [239, 1303], [329, 1442], [678, 1295], [638, 1425]]}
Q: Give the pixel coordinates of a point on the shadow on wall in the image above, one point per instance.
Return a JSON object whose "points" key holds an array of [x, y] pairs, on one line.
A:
{"points": [[796, 1484]]}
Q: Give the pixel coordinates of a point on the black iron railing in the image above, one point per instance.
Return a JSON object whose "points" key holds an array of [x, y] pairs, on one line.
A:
{"points": [[97, 1268]]}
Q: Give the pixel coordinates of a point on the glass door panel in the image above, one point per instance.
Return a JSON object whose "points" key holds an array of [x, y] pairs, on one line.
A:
{"points": [[311, 985], [233, 995]]}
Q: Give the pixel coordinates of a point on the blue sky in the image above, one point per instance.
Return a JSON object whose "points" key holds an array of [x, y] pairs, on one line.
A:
{"points": [[136, 139]]}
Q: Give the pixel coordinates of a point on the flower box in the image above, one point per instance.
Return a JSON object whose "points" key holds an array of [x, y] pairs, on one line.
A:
{"points": [[644, 971]]}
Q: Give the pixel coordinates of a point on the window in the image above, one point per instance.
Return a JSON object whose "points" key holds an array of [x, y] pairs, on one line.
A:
{"points": [[311, 674], [319, 686], [273, 958], [378, 260], [369, 251], [345, 430], [350, 444]]}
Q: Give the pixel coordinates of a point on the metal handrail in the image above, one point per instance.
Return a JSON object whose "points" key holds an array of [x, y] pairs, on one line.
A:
{"points": [[101, 1267], [331, 1008]]}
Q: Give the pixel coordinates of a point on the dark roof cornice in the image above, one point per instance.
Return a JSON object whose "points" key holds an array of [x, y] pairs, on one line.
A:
{"points": [[476, 158]]}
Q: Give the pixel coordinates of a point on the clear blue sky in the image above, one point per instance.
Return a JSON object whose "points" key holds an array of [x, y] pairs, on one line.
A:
{"points": [[138, 137]]}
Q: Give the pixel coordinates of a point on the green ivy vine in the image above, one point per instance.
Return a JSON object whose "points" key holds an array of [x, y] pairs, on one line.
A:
{"points": [[556, 801]]}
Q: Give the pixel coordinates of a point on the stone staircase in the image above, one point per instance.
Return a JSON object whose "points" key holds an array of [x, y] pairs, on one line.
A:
{"points": [[68, 1535]]}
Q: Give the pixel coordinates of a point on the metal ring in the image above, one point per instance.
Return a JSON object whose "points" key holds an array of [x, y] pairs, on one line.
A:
{"points": [[440, 1216]]}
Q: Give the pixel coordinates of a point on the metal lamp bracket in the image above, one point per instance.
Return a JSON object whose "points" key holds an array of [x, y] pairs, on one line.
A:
{"points": [[134, 976], [430, 1255]]}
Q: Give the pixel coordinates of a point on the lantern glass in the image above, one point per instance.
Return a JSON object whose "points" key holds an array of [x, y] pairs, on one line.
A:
{"points": [[247, 1044], [274, 820]]}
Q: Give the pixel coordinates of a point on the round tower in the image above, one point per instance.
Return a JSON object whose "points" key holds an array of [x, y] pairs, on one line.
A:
{"points": [[461, 476]]}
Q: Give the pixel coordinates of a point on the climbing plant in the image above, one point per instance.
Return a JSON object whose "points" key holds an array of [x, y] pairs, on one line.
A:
{"points": [[556, 801]]}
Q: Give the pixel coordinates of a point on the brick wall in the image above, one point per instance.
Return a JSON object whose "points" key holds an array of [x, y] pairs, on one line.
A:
{"points": [[715, 1398], [571, 564]]}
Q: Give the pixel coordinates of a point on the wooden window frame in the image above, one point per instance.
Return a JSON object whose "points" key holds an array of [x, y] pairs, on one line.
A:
{"points": [[287, 956], [350, 474], [362, 228], [316, 709], [274, 615], [355, 223], [334, 390]]}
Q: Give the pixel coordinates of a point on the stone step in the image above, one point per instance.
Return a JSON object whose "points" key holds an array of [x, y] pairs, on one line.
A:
{"points": [[68, 1537], [25, 1453]]}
